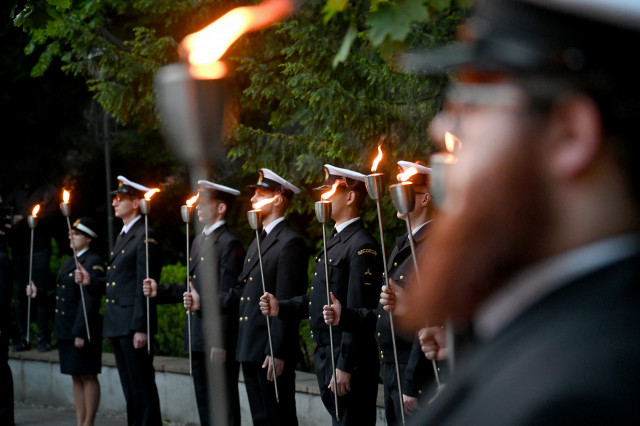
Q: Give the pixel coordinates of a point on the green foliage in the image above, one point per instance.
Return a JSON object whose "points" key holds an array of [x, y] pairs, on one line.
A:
{"points": [[171, 317]]}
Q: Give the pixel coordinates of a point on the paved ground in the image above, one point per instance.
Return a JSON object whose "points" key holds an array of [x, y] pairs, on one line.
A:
{"points": [[33, 414]]}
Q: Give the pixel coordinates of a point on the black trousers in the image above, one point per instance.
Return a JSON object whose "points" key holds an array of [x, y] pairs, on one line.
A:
{"points": [[199, 362], [392, 405], [358, 407], [43, 304], [262, 396], [6, 383], [137, 376]]}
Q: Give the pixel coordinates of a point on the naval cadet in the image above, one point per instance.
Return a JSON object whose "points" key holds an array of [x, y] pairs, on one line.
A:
{"points": [[125, 317], [284, 263], [216, 250], [81, 354], [355, 267]]}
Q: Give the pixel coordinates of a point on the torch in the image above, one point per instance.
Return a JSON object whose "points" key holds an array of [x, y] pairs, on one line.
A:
{"points": [[66, 212], [32, 221], [403, 197], [145, 206], [255, 220], [375, 188], [185, 210], [441, 163], [323, 213]]}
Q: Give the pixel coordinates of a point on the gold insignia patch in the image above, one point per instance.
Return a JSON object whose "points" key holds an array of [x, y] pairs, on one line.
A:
{"points": [[368, 272], [98, 268], [153, 241], [370, 251]]}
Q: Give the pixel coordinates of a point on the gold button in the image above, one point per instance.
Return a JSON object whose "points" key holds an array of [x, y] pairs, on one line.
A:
{"points": [[240, 319], [248, 299], [246, 318], [113, 284], [57, 298], [201, 259], [402, 277], [244, 281], [242, 299], [63, 286], [419, 391], [194, 277], [379, 316], [70, 274], [108, 268], [378, 334], [311, 288], [113, 300], [122, 251], [250, 278], [248, 260], [63, 299], [114, 266], [56, 311], [395, 263], [107, 301], [315, 273], [329, 260], [190, 259], [381, 356]]}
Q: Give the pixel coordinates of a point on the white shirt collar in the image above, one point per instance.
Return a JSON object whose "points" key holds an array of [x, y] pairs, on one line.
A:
{"points": [[536, 282], [128, 226], [414, 231], [81, 252], [209, 229], [273, 224], [343, 225]]}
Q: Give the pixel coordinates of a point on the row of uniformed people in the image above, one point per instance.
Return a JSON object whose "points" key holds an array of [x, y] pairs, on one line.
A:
{"points": [[355, 277], [354, 255]]}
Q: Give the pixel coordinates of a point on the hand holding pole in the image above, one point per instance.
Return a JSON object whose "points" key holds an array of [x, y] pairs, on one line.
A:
{"points": [[66, 212], [255, 220]]}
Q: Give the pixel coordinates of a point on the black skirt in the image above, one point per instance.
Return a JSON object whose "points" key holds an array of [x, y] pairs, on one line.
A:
{"points": [[80, 362]]}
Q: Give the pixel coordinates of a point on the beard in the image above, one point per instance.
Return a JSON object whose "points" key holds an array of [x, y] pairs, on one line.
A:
{"points": [[473, 250]]}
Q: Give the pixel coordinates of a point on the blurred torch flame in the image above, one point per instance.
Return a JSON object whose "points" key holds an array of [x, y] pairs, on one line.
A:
{"points": [[66, 195], [263, 203], [374, 167], [149, 194], [191, 201], [325, 196], [35, 210], [204, 48], [404, 176], [451, 142]]}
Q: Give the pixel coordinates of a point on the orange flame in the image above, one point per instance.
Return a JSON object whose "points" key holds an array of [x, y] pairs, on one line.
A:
{"points": [[205, 47], [404, 176], [191, 201], [263, 203], [374, 167], [66, 195], [35, 210], [451, 141], [330, 192], [149, 194]]}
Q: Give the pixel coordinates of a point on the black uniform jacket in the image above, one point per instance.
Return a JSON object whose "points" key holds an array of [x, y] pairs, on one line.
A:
{"points": [[285, 259], [125, 304], [220, 253], [571, 358], [355, 267], [69, 314]]}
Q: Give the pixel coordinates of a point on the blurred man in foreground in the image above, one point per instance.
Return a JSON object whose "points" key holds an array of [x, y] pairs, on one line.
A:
{"points": [[537, 244]]}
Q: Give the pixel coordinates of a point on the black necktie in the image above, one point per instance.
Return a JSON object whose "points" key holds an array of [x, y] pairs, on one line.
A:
{"points": [[334, 231], [263, 234]]}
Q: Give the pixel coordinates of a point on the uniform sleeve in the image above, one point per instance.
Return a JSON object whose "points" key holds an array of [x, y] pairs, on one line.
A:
{"points": [[92, 297], [365, 269], [419, 372], [139, 317], [294, 308], [292, 281], [352, 320]]}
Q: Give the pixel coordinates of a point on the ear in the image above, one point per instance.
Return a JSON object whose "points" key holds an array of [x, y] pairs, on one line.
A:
{"points": [[136, 203], [351, 197], [222, 208], [426, 199], [576, 135], [278, 200]]}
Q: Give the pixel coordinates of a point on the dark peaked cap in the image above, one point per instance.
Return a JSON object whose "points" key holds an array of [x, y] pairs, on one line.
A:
{"points": [[540, 35]]}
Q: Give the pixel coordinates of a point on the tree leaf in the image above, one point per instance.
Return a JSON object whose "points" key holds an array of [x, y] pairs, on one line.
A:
{"points": [[394, 20]]}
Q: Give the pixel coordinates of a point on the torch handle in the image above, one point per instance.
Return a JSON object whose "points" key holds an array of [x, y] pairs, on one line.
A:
{"points": [[75, 257], [146, 253], [415, 265], [391, 326], [264, 290], [333, 360], [189, 310], [29, 283]]}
